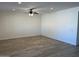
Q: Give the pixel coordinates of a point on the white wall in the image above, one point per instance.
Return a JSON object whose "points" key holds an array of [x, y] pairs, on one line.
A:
{"points": [[18, 24], [61, 25]]}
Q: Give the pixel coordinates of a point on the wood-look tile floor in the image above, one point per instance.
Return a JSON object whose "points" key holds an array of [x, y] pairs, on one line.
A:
{"points": [[37, 46]]}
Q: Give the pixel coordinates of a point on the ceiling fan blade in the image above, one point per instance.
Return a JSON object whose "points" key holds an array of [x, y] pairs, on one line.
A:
{"points": [[33, 8], [36, 13], [25, 9]]}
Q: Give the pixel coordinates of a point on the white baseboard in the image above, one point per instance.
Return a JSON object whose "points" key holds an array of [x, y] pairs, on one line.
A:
{"points": [[13, 37]]}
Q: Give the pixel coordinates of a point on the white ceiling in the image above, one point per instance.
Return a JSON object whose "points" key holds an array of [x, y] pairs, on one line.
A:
{"points": [[43, 7]]}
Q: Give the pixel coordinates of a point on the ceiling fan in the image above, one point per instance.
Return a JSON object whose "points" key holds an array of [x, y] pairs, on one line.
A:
{"points": [[32, 12], [35, 11]]}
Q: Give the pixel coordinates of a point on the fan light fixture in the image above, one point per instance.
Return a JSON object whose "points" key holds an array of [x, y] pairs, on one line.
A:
{"points": [[30, 14]]}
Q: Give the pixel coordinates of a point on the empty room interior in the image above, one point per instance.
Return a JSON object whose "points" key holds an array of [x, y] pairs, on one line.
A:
{"points": [[39, 29]]}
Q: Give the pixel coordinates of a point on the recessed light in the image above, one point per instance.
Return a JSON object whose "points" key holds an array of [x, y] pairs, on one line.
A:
{"points": [[51, 8], [13, 9], [19, 2]]}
